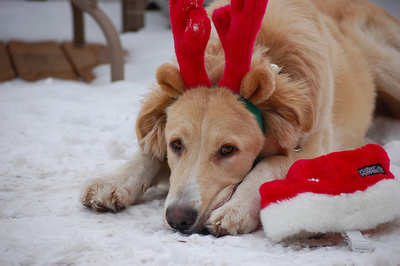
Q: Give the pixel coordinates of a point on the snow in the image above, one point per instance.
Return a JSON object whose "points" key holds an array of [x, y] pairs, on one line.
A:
{"points": [[56, 134]]}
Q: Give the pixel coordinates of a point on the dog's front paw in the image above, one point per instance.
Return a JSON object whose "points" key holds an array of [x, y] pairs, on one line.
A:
{"points": [[234, 218], [105, 196]]}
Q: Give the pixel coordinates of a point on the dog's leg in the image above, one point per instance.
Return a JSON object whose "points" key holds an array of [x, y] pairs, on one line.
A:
{"points": [[384, 54], [123, 186], [377, 34], [241, 214]]}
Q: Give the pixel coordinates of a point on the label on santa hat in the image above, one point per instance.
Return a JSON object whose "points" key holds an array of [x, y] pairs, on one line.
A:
{"points": [[371, 170]]}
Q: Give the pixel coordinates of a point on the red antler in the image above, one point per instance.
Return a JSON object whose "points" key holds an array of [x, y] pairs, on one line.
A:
{"points": [[191, 29], [237, 26]]}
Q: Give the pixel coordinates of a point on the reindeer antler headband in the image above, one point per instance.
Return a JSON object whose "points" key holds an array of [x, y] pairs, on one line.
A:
{"points": [[191, 29], [237, 26]]}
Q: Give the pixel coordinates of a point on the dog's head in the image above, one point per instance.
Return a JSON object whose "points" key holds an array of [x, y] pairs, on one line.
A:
{"points": [[212, 143]]}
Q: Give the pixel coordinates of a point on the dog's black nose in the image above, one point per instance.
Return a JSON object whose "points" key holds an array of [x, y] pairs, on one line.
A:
{"points": [[180, 218]]}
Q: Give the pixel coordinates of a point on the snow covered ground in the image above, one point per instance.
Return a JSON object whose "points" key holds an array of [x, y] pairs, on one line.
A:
{"points": [[56, 134]]}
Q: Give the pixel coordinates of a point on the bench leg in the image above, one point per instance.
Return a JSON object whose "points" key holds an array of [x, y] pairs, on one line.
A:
{"points": [[112, 37]]}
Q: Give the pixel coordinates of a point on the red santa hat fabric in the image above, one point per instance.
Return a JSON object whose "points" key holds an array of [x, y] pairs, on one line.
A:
{"points": [[341, 191]]}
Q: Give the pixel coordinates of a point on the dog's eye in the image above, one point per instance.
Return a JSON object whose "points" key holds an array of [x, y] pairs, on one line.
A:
{"points": [[176, 145], [226, 150]]}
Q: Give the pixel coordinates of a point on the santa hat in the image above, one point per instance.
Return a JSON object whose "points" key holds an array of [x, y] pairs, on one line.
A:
{"points": [[338, 192]]}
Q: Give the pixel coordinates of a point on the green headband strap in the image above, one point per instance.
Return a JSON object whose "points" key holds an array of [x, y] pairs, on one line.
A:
{"points": [[255, 111]]}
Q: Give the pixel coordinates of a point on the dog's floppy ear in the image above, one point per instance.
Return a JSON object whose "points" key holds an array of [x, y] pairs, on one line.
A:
{"points": [[170, 80], [288, 112], [258, 84], [151, 121]]}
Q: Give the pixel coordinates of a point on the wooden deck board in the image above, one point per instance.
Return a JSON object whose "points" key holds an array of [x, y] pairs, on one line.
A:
{"points": [[34, 61]]}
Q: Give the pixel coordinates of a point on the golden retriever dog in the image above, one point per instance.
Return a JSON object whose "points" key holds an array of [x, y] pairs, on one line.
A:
{"points": [[332, 56]]}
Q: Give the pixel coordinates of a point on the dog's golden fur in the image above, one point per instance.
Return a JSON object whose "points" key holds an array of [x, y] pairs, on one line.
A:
{"points": [[334, 56]]}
